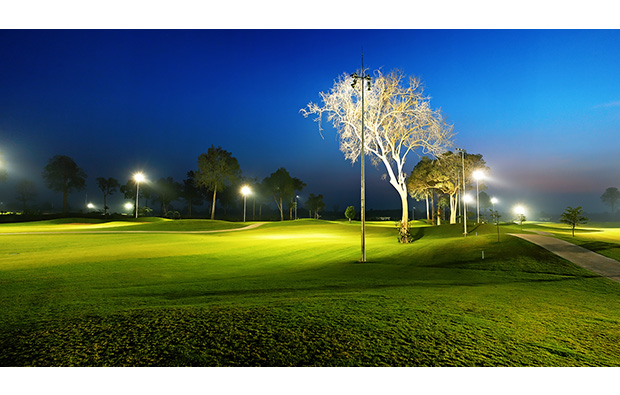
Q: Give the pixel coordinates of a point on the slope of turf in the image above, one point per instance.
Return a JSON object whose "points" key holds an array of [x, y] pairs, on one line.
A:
{"points": [[139, 224], [292, 294]]}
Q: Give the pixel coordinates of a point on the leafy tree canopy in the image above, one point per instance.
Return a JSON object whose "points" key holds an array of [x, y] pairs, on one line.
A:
{"points": [[62, 174], [573, 217]]}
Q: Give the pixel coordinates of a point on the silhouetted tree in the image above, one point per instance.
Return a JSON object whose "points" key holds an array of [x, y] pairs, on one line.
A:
{"points": [[283, 187], [62, 174], [316, 204], [191, 192], [217, 169], [165, 191], [611, 198], [108, 187], [573, 217], [25, 192]]}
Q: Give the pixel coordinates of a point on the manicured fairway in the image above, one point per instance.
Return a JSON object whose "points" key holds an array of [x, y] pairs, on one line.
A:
{"points": [[291, 294]]}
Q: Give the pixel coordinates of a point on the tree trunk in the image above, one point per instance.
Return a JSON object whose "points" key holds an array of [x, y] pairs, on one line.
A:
{"points": [[405, 206], [428, 215], [433, 207], [64, 201], [105, 205], [213, 205], [279, 204], [453, 208]]}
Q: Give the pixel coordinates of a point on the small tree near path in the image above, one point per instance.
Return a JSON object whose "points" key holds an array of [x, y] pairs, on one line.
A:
{"points": [[573, 217], [350, 213]]}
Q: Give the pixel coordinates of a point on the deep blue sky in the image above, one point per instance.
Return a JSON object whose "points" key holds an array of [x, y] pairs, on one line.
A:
{"points": [[541, 106]]}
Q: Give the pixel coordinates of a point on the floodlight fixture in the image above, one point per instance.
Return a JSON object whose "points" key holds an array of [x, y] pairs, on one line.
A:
{"points": [[138, 178], [245, 191]]}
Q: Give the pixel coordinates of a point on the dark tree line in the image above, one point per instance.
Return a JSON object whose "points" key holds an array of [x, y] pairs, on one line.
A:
{"points": [[218, 178]]}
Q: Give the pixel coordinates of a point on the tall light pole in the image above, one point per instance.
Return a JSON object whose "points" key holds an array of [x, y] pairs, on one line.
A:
{"points": [[138, 178], [493, 201], [296, 197], [245, 191], [463, 193], [466, 199], [478, 175], [520, 211], [363, 77]]}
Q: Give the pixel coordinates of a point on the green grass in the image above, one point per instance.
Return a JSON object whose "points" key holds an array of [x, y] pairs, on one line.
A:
{"points": [[292, 294]]}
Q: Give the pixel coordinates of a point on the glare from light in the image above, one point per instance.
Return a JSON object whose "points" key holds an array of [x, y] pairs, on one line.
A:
{"points": [[90, 206], [138, 177], [494, 200], [468, 198], [245, 190], [478, 175], [128, 206], [519, 210]]}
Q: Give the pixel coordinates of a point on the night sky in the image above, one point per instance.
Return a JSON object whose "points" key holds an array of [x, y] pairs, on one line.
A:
{"points": [[541, 106]]}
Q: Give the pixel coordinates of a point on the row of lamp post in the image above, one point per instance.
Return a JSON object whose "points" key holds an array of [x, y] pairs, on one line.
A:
{"points": [[139, 177]]}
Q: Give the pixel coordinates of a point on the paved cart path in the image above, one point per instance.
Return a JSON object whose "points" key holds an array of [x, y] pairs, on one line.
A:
{"points": [[253, 226], [583, 257]]}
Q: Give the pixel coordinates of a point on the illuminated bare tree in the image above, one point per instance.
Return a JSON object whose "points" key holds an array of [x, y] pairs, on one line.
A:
{"points": [[398, 119]]}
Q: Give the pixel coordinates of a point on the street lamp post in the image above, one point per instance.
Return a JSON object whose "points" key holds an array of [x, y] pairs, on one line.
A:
{"points": [[363, 77], [296, 197], [138, 178], [478, 175], [520, 211], [463, 193], [493, 201], [466, 199], [245, 191]]}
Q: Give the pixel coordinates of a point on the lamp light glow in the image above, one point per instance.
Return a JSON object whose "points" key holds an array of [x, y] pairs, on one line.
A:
{"points": [[245, 191], [138, 177]]}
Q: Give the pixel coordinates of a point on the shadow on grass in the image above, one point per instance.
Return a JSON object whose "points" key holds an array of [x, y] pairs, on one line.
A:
{"points": [[201, 293], [599, 245]]}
